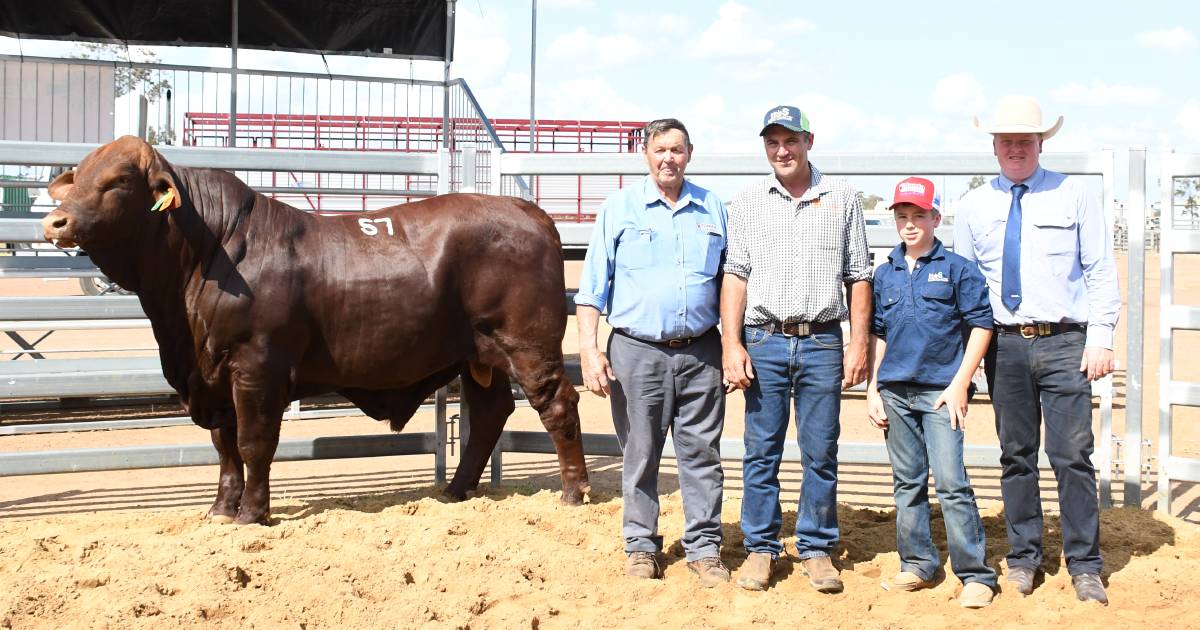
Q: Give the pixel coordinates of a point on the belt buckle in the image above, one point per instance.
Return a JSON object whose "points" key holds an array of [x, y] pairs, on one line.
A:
{"points": [[1044, 330], [678, 343], [803, 329], [1030, 332]]}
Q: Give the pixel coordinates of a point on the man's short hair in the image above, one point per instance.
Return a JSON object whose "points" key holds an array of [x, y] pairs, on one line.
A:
{"points": [[661, 126]]}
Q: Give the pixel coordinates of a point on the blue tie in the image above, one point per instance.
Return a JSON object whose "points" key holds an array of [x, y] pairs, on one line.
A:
{"points": [[1010, 277]]}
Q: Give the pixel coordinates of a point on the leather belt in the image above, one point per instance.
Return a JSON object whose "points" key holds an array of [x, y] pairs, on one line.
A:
{"points": [[1039, 329], [800, 329], [681, 342]]}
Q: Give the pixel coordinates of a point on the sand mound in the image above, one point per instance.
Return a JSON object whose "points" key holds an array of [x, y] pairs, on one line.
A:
{"points": [[519, 559]]}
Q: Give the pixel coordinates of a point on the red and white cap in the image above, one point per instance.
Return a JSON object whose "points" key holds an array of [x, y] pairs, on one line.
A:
{"points": [[917, 191]]}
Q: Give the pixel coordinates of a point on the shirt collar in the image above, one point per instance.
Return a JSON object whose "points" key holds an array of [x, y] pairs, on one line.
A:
{"points": [[818, 187], [1034, 182], [651, 194], [937, 252]]}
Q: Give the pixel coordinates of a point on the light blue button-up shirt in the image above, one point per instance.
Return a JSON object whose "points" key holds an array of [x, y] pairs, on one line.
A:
{"points": [[1067, 268], [654, 266]]}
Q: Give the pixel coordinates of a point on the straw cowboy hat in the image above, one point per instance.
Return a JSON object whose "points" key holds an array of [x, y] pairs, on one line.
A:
{"points": [[1019, 114]]}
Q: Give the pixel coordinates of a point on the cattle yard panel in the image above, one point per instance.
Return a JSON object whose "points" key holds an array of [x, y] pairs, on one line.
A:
{"points": [[1174, 317], [501, 165]]}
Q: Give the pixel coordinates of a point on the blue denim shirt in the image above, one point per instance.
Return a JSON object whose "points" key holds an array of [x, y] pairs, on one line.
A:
{"points": [[927, 315], [655, 267]]}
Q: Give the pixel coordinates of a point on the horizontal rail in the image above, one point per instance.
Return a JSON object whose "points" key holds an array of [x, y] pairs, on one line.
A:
{"points": [[1179, 242], [239, 159], [1183, 469], [172, 421], [73, 307], [1182, 317], [170, 456], [72, 324], [1183, 393], [1096, 163], [848, 453]]}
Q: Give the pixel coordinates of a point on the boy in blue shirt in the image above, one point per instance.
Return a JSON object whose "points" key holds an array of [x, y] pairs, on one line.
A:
{"points": [[931, 328]]}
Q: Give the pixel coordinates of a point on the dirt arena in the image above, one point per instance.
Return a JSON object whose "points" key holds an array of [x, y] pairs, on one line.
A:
{"points": [[368, 543]]}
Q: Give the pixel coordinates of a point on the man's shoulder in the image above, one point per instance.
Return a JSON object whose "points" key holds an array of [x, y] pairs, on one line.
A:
{"points": [[962, 265], [702, 194]]}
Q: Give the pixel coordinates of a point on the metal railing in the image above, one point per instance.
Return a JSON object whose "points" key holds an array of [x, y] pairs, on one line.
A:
{"points": [[1174, 317]]}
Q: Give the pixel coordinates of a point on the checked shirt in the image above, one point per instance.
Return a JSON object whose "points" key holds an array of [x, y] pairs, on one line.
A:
{"points": [[797, 254]]}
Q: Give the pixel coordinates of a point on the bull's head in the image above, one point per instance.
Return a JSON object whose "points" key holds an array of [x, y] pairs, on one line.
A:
{"points": [[106, 199]]}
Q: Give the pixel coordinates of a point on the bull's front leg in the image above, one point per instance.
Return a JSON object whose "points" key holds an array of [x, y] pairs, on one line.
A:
{"points": [[233, 479], [259, 400]]}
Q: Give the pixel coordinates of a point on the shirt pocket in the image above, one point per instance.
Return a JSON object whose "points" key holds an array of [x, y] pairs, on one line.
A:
{"points": [[708, 250], [634, 249], [1054, 234], [938, 299]]}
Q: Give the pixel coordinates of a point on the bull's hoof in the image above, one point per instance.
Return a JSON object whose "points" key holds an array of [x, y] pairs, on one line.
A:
{"points": [[577, 496], [220, 519], [249, 518], [454, 496]]}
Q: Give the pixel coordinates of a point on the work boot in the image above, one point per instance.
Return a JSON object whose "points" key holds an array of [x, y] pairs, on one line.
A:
{"points": [[641, 564], [1089, 588], [822, 575], [975, 595], [908, 581], [1021, 579], [755, 573], [711, 571]]}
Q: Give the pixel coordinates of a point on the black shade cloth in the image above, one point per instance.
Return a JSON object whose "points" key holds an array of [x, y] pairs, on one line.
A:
{"points": [[404, 28]]}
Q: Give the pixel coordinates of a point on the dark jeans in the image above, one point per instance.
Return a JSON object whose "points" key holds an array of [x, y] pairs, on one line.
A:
{"points": [[1032, 380]]}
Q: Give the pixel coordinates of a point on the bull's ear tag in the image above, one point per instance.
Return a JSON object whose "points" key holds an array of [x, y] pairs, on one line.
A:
{"points": [[165, 202]]}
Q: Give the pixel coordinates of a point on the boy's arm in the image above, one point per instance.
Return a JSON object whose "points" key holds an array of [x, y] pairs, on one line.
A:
{"points": [[875, 411], [955, 396]]}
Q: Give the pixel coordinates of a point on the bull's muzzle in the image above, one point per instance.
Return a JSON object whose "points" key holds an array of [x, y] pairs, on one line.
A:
{"points": [[59, 228]]}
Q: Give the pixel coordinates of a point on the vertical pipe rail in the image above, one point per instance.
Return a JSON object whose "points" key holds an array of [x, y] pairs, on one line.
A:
{"points": [[446, 74], [1135, 221], [233, 77], [1166, 259], [532, 79]]}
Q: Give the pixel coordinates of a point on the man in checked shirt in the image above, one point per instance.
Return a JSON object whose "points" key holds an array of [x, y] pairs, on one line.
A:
{"points": [[797, 239]]}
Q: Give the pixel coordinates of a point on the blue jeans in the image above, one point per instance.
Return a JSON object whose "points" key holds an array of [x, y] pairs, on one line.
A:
{"points": [[918, 437], [806, 371], [1034, 381]]}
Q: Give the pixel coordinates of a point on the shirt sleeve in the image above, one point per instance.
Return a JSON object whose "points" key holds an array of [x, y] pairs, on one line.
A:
{"points": [[737, 250], [974, 304], [1099, 271], [878, 325], [595, 281], [964, 245], [856, 264]]}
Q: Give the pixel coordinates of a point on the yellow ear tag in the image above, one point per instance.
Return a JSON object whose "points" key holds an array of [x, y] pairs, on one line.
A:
{"points": [[163, 201]]}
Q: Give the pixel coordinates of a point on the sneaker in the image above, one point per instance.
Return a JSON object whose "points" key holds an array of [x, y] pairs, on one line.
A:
{"points": [[822, 575], [755, 573], [1021, 579], [641, 564], [711, 571], [908, 581], [975, 595], [1089, 588]]}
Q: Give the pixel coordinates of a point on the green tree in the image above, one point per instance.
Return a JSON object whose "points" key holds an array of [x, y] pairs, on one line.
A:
{"points": [[1187, 194], [975, 182], [869, 203]]}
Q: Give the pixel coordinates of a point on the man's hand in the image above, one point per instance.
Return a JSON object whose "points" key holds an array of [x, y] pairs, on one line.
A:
{"points": [[735, 363], [854, 365], [597, 373], [955, 399], [875, 410], [1097, 362]]}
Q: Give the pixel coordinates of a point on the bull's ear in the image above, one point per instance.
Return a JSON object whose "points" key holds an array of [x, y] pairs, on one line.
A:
{"points": [[62, 186], [162, 184]]}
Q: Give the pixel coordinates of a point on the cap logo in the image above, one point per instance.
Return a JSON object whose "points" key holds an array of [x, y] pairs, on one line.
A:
{"points": [[778, 115], [913, 188]]}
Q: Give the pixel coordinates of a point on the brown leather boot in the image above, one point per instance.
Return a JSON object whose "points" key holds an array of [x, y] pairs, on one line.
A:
{"points": [[711, 571], [822, 575], [642, 564], [755, 573]]}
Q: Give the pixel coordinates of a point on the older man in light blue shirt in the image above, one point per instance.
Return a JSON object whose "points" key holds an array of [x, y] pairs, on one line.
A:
{"points": [[653, 262], [1044, 248]]}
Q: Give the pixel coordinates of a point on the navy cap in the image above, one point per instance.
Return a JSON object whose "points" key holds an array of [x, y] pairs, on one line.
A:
{"points": [[788, 117]]}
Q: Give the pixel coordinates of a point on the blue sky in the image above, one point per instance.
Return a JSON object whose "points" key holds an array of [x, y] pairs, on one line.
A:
{"points": [[873, 76]]}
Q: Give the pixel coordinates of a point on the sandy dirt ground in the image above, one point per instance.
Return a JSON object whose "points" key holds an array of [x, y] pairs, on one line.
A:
{"points": [[367, 542]]}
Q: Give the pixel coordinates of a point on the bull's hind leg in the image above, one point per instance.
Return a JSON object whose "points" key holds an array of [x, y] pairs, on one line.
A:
{"points": [[233, 479], [541, 373], [489, 410]]}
